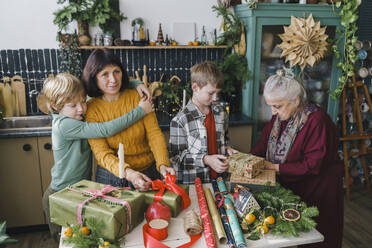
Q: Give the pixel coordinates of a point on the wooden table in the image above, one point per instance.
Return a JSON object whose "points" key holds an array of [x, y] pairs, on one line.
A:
{"points": [[177, 236]]}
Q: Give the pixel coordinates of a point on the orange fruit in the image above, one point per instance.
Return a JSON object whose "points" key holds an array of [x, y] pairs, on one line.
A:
{"points": [[174, 43], [249, 218], [263, 228], [190, 43], [195, 43], [85, 230], [68, 232], [106, 243], [269, 220]]}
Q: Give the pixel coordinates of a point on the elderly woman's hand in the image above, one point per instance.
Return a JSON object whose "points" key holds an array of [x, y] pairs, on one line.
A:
{"points": [[230, 151], [165, 170], [143, 91], [140, 181], [271, 166]]}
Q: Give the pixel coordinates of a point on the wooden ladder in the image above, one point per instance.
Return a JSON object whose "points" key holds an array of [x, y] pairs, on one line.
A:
{"points": [[360, 136]]}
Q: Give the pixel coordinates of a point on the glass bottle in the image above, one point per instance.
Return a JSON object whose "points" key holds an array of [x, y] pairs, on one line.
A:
{"points": [[203, 39]]}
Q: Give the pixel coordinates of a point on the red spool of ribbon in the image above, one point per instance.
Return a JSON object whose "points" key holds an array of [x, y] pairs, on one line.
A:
{"points": [[158, 228]]}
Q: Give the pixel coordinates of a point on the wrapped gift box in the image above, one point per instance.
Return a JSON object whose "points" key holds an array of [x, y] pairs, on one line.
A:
{"points": [[64, 205], [254, 183], [173, 200], [246, 165]]}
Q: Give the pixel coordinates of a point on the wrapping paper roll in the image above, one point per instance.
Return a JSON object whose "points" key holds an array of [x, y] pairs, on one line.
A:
{"points": [[225, 221], [217, 223], [228, 203], [207, 222]]}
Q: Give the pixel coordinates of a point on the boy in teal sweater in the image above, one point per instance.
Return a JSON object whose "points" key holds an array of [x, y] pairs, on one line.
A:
{"points": [[66, 100]]}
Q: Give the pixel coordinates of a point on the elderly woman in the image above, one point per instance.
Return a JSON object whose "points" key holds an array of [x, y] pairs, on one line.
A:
{"points": [[144, 145], [300, 144]]}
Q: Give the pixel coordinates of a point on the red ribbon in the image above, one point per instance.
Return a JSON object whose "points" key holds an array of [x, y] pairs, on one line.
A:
{"points": [[152, 241], [170, 184], [94, 193]]}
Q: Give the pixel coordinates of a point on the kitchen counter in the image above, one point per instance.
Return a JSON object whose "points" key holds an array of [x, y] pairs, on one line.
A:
{"points": [[235, 119]]}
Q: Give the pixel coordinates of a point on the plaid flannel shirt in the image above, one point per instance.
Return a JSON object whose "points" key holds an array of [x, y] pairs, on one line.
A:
{"points": [[188, 142]]}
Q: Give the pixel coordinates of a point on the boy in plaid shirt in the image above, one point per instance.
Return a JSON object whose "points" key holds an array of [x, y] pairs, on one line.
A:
{"points": [[198, 134]]}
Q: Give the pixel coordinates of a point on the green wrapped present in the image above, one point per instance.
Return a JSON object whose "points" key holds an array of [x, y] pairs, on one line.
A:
{"points": [[171, 199], [87, 199]]}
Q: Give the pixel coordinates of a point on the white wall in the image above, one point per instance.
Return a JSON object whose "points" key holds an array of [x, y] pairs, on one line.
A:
{"points": [[29, 23]]}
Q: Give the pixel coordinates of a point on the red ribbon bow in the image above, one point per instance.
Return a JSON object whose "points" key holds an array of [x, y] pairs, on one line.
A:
{"points": [[170, 184]]}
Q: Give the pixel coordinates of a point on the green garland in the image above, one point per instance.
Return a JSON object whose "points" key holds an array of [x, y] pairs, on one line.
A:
{"points": [[349, 15], [273, 201], [93, 239]]}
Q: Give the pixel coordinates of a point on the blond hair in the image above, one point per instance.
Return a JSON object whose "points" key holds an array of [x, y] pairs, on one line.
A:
{"points": [[206, 73], [61, 89]]}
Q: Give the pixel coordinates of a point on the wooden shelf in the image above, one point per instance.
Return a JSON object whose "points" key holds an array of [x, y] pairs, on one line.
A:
{"points": [[153, 47]]}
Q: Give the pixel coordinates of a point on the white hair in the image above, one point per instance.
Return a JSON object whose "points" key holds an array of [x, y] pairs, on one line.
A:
{"points": [[278, 87]]}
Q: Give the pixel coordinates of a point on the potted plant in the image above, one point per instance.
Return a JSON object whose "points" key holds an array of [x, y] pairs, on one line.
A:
{"points": [[4, 238], [105, 15], [75, 10], [92, 12]]}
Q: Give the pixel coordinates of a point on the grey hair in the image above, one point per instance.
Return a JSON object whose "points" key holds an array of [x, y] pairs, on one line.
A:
{"points": [[278, 87]]}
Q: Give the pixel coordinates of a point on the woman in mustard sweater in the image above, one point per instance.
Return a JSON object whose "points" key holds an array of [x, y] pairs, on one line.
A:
{"points": [[145, 153]]}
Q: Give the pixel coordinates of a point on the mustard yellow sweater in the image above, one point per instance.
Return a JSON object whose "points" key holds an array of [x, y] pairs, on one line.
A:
{"points": [[143, 141]]}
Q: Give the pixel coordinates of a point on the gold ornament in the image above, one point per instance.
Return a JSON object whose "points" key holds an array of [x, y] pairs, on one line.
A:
{"points": [[304, 42]]}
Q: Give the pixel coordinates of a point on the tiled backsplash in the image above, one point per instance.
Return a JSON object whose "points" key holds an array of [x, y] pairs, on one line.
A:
{"points": [[34, 65]]}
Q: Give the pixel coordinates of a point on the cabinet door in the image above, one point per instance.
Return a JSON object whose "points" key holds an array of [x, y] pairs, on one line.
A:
{"points": [[20, 193], [241, 137], [46, 160]]}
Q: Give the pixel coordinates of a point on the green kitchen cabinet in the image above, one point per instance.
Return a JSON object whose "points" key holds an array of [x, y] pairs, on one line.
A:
{"points": [[262, 25]]}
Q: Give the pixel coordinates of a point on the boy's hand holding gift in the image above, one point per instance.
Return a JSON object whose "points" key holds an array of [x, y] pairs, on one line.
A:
{"points": [[217, 162]]}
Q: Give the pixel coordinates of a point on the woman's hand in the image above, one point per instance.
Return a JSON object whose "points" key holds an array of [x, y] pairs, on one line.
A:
{"points": [[230, 151], [140, 181], [165, 169], [147, 106], [144, 92], [217, 162], [271, 166]]}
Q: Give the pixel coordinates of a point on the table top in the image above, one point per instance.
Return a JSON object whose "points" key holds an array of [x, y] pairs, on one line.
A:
{"points": [[177, 236]]}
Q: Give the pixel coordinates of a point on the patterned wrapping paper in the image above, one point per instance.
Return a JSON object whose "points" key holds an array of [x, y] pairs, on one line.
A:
{"points": [[204, 214], [259, 181], [228, 203], [225, 221], [217, 223], [65, 203], [246, 165]]}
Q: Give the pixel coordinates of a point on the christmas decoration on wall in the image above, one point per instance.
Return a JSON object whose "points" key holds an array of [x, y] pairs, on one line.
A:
{"points": [[304, 42]]}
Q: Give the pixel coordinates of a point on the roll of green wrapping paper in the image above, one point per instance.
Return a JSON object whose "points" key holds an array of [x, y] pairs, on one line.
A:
{"points": [[216, 218]]}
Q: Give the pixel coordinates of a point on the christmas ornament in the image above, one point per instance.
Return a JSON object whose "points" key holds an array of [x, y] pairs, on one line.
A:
{"points": [[158, 210], [304, 42], [160, 39], [291, 215]]}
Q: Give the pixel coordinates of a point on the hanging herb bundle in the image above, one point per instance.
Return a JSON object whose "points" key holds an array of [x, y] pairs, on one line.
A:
{"points": [[70, 56], [88, 236], [281, 211]]}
